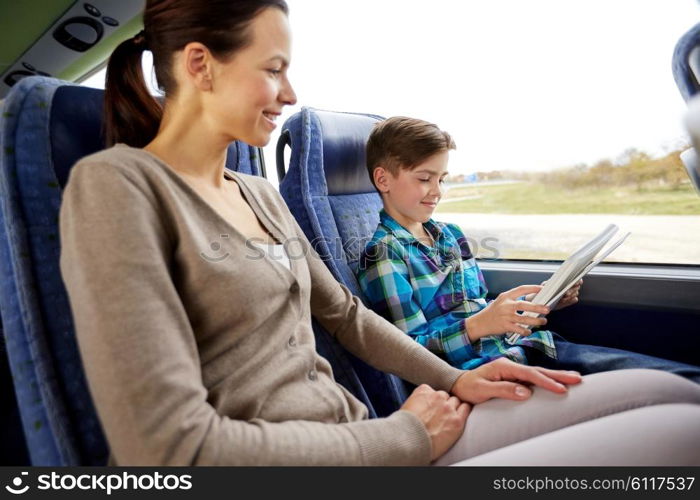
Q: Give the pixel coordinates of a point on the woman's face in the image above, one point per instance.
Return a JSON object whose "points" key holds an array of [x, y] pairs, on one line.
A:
{"points": [[250, 90]]}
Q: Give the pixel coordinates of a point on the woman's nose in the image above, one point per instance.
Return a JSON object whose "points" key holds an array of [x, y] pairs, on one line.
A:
{"points": [[287, 94]]}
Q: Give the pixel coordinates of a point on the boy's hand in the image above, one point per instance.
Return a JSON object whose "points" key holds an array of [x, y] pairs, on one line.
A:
{"points": [[503, 378], [568, 299], [501, 315], [442, 415]]}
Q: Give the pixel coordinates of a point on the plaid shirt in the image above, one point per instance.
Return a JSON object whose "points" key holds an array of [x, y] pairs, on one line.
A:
{"points": [[429, 292]]}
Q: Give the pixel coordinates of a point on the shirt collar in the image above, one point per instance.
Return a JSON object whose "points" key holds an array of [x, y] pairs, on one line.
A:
{"points": [[404, 235]]}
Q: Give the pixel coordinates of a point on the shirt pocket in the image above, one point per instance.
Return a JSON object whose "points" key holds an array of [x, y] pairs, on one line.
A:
{"points": [[472, 282]]}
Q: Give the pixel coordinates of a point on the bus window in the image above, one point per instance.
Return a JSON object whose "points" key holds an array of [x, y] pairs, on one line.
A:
{"points": [[566, 116]]}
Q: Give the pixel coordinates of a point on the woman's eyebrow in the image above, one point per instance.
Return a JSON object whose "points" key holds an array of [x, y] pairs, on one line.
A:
{"points": [[281, 59]]}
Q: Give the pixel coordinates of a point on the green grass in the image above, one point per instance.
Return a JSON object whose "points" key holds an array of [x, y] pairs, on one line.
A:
{"points": [[529, 198]]}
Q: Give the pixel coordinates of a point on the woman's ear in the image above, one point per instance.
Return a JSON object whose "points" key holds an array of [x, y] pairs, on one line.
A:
{"points": [[381, 179], [198, 65]]}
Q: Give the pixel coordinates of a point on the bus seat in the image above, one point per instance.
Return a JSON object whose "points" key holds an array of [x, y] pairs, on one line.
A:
{"points": [[686, 63], [329, 192], [14, 450], [46, 126], [686, 72]]}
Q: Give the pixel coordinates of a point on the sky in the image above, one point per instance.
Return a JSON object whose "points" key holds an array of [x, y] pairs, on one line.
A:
{"points": [[520, 85]]}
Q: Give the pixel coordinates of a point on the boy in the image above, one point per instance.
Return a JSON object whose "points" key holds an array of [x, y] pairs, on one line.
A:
{"points": [[421, 275]]}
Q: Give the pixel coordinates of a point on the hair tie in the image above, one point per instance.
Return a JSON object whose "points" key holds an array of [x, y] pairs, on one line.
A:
{"points": [[140, 39]]}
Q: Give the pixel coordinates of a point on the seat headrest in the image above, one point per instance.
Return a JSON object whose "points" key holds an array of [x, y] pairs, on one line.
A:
{"points": [[686, 63], [75, 127], [344, 137]]}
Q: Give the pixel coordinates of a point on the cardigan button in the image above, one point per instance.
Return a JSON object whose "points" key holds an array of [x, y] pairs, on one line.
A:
{"points": [[292, 342], [342, 419], [294, 288], [313, 375]]}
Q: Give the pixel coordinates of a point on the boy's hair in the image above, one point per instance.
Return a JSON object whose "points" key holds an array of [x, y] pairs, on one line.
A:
{"points": [[402, 143]]}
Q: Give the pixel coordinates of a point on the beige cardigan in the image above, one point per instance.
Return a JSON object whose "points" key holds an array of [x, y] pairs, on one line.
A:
{"points": [[198, 350]]}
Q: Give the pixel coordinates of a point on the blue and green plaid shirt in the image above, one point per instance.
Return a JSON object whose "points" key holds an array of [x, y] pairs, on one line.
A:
{"points": [[429, 292]]}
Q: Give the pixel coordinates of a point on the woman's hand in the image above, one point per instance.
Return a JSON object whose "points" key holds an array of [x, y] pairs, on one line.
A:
{"points": [[501, 315], [503, 378], [443, 416]]}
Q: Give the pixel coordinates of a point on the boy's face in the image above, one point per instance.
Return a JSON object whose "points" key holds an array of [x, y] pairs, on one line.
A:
{"points": [[412, 196]]}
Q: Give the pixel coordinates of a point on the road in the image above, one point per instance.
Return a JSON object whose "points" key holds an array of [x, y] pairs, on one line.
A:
{"points": [[654, 239]]}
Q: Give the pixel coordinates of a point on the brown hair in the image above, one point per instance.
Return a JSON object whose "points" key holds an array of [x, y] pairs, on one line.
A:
{"points": [[132, 114], [404, 143]]}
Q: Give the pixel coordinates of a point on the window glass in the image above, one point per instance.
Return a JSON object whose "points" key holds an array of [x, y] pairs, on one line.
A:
{"points": [[565, 114]]}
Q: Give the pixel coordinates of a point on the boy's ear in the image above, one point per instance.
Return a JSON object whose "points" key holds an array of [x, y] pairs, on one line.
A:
{"points": [[381, 179], [198, 65]]}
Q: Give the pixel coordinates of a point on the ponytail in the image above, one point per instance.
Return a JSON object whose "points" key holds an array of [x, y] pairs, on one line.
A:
{"points": [[132, 114]]}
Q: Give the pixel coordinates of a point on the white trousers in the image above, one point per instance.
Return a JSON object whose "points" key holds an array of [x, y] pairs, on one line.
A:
{"points": [[622, 417]]}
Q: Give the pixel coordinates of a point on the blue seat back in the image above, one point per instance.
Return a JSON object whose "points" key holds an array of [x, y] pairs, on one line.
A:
{"points": [[686, 63], [328, 190], [46, 126]]}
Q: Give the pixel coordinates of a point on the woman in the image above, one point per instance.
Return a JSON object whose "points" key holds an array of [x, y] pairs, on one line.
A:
{"points": [[194, 359]]}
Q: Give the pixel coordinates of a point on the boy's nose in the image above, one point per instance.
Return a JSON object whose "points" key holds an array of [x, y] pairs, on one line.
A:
{"points": [[436, 189]]}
